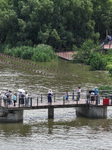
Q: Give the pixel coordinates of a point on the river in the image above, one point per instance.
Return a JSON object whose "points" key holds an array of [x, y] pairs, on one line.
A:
{"points": [[65, 131]]}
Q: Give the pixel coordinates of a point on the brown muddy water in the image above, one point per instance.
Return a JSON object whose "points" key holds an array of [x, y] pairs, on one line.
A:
{"points": [[65, 131]]}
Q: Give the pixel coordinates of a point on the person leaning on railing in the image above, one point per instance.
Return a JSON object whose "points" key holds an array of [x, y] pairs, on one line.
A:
{"points": [[96, 95], [15, 99], [78, 93]]}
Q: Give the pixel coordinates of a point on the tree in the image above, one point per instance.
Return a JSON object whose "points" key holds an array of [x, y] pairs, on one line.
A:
{"points": [[102, 16]]}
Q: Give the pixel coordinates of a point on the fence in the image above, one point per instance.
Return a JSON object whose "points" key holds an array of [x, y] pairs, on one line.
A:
{"points": [[60, 98]]}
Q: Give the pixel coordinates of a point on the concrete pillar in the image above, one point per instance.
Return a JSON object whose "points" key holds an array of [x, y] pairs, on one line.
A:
{"points": [[92, 111], [10, 116], [50, 112]]}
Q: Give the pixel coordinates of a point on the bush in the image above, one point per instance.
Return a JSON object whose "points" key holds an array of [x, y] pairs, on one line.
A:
{"points": [[105, 89], [83, 53], [97, 62], [43, 53], [40, 53]]}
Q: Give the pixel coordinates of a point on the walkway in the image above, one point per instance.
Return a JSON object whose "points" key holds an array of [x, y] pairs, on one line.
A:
{"points": [[107, 46], [66, 55], [57, 103]]}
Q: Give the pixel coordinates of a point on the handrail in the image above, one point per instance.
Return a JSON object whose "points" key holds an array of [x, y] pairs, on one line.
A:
{"points": [[60, 98]]}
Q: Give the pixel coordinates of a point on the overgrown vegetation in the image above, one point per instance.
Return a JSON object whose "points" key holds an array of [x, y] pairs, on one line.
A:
{"points": [[40, 53]]}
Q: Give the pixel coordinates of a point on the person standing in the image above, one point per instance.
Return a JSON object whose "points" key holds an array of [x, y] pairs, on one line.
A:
{"points": [[78, 93], [26, 99], [20, 97], [14, 99], [96, 95], [67, 96], [50, 95], [9, 97], [96, 90]]}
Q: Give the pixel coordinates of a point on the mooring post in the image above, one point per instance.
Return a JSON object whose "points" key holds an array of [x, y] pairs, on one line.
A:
{"points": [[50, 112]]}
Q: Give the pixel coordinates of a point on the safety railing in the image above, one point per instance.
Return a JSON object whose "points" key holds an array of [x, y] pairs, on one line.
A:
{"points": [[60, 98]]}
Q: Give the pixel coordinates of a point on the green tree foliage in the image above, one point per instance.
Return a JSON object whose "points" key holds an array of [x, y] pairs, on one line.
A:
{"points": [[83, 53], [102, 16], [57, 23], [97, 62]]}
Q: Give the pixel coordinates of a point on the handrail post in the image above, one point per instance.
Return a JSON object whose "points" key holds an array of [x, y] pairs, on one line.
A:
{"points": [[37, 101], [41, 98], [54, 97], [31, 102], [19, 102], [73, 95], [63, 100]]}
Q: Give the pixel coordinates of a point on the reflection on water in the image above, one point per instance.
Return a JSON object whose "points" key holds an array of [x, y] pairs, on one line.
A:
{"points": [[65, 131]]}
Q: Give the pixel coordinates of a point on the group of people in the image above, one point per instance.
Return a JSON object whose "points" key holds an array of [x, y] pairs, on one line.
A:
{"points": [[11, 98], [23, 99], [93, 96], [78, 95], [50, 95]]}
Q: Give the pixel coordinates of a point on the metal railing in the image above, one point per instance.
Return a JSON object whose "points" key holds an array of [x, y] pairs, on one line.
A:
{"points": [[61, 99]]}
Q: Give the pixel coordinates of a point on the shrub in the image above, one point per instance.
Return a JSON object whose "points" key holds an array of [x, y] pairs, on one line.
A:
{"points": [[40, 53], [83, 53], [97, 62], [105, 89], [43, 53]]}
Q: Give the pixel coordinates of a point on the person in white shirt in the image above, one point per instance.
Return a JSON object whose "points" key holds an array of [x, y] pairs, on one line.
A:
{"points": [[78, 93]]}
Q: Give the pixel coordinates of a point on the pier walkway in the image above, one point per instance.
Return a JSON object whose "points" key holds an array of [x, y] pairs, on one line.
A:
{"points": [[107, 46], [41, 101], [66, 55], [86, 105]]}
